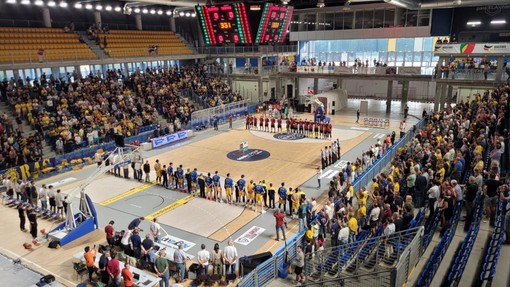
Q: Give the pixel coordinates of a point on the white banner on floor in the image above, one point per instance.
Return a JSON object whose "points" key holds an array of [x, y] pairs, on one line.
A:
{"points": [[249, 235], [172, 241]]}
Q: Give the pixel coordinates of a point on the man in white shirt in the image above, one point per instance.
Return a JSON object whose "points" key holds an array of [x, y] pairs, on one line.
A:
{"points": [[433, 194], [115, 161], [156, 230], [374, 215], [389, 230], [43, 196], [59, 199], [203, 257], [343, 234], [230, 258]]}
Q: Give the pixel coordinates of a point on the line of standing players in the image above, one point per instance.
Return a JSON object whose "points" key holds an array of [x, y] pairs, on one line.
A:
{"points": [[252, 194], [308, 128]]}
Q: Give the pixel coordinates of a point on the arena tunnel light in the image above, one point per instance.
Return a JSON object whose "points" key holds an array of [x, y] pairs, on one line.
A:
{"points": [[89, 7], [11, 1], [78, 5], [137, 10], [153, 11], [495, 22], [38, 3], [118, 9], [169, 12], [63, 4], [181, 14], [145, 11], [52, 3], [99, 7], [188, 14], [108, 8], [193, 14], [160, 12], [25, 2]]}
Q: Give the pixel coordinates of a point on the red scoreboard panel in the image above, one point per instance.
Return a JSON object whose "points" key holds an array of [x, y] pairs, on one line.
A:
{"points": [[274, 23], [224, 24]]}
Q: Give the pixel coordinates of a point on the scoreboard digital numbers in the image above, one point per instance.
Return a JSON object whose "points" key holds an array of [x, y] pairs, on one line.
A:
{"points": [[240, 23], [224, 24], [274, 23]]}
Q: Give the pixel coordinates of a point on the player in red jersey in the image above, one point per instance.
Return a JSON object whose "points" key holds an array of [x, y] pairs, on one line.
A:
{"points": [[254, 122], [279, 121], [266, 124], [322, 129], [329, 130], [272, 125], [248, 120], [261, 122]]}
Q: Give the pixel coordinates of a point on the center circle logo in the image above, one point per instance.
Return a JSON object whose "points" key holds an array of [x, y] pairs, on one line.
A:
{"points": [[248, 155], [289, 136]]}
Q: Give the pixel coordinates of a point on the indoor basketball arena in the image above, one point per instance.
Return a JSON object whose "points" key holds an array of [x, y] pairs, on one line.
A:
{"points": [[262, 143]]}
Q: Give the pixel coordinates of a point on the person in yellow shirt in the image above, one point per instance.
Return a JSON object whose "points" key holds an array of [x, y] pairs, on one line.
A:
{"points": [[251, 193], [441, 172], [353, 227], [396, 186], [362, 214], [375, 185]]}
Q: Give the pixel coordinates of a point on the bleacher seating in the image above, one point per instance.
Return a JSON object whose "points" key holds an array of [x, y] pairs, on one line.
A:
{"points": [[494, 247], [437, 255], [133, 43], [23, 44]]}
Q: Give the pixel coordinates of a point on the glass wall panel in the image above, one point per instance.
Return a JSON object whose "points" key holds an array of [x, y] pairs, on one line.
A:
{"points": [[368, 19], [329, 21], [423, 17], [378, 18], [348, 19], [358, 19], [294, 23], [339, 21], [9, 74], [310, 20], [320, 21], [408, 58], [411, 18], [389, 17]]}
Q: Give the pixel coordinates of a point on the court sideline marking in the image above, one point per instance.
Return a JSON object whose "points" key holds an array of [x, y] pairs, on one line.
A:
{"points": [[126, 194], [170, 207]]}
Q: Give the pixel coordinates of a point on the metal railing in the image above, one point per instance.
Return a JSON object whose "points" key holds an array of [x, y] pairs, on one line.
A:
{"points": [[204, 118]]}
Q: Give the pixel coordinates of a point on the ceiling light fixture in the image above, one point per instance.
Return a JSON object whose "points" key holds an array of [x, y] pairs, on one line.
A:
{"points": [[11, 1], [63, 4], [118, 9], [50, 3], [188, 14], [160, 12], [78, 5], [503, 21], [474, 23], [89, 6], [193, 14], [137, 10], [25, 2], [181, 14], [153, 11], [38, 3], [169, 12], [145, 11], [108, 8], [99, 7]]}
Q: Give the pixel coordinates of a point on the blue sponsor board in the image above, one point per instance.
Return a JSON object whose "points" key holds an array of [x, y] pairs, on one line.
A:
{"points": [[164, 140], [289, 136], [249, 155]]}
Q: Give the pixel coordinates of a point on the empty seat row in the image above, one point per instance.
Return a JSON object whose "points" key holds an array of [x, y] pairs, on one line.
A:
{"points": [[37, 41], [141, 36], [140, 32], [44, 46], [37, 35], [143, 45], [30, 30]]}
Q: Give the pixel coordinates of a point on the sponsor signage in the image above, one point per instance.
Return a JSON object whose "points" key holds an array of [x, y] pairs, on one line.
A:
{"points": [[249, 235], [168, 139], [472, 48], [289, 136], [248, 155], [172, 241]]}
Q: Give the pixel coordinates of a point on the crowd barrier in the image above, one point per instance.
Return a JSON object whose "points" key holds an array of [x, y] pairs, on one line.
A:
{"points": [[268, 270], [204, 119], [66, 161]]}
